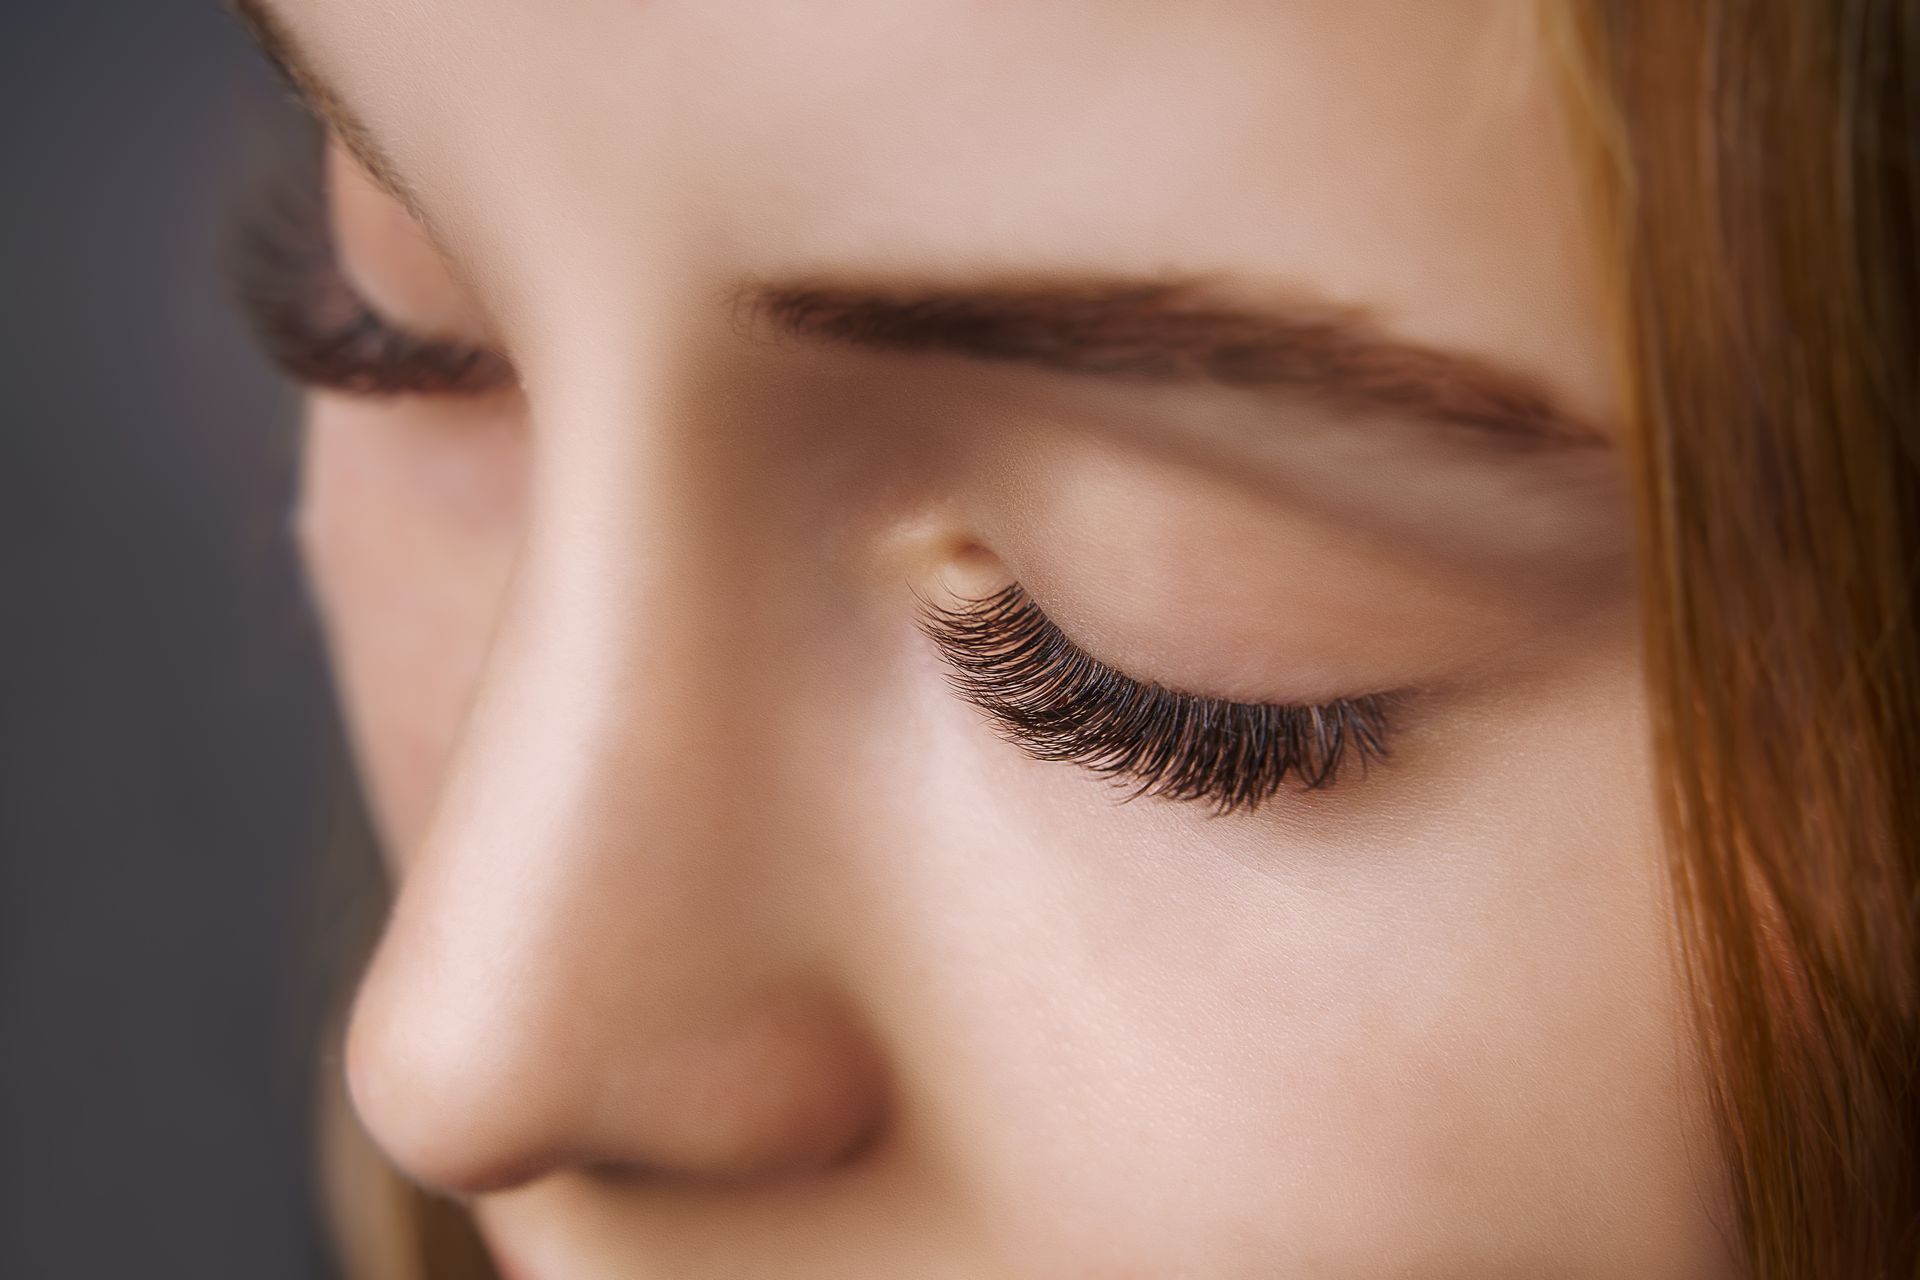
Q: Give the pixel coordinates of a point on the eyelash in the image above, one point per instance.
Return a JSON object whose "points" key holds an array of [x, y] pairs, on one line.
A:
{"points": [[1058, 703], [316, 328]]}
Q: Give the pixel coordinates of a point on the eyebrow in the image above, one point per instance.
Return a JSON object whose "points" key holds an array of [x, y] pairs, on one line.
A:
{"points": [[1163, 332], [274, 40], [1176, 333]]}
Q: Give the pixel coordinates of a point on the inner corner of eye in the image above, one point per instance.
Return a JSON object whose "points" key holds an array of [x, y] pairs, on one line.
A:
{"points": [[962, 570]]}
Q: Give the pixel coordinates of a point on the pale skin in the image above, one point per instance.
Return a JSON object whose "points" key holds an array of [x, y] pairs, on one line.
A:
{"points": [[728, 940]]}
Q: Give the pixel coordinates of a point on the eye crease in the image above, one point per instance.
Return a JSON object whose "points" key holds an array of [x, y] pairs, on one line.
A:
{"points": [[1056, 702]]}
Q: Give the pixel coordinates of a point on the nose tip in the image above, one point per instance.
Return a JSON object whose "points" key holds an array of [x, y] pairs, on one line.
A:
{"points": [[451, 1117], [780, 1088]]}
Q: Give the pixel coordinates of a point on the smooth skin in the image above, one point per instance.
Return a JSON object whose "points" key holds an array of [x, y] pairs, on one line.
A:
{"points": [[729, 941]]}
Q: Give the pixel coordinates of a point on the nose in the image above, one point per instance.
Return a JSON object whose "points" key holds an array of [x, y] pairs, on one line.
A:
{"points": [[598, 957]]}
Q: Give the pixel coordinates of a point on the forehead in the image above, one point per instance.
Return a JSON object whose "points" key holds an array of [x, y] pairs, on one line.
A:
{"points": [[1410, 156]]}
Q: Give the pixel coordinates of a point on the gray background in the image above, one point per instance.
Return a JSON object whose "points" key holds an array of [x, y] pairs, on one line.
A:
{"points": [[165, 743]]}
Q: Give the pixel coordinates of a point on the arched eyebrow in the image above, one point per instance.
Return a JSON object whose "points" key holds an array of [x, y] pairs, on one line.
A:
{"points": [[1178, 332], [1151, 331], [276, 42]]}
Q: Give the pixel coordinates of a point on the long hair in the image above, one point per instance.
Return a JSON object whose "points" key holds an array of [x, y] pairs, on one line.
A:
{"points": [[1757, 164], [1755, 169]]}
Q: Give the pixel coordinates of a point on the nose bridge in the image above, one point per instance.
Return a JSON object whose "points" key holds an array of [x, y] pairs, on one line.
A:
{"points": [[586, 962], [612, 693]]}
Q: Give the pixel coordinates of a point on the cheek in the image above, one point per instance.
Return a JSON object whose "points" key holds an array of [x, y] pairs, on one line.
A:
{"points": [[1453, 1036], [409, 517]]}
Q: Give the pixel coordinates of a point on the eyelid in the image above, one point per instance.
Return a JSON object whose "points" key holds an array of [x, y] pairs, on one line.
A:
{"points": [[1058, 703], [317, 328]]}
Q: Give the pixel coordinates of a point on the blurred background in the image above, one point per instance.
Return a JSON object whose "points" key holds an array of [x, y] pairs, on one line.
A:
{"points": [[166, 748]]}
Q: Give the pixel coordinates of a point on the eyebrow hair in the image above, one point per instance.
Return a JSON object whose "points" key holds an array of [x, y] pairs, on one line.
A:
{"points": [[1173, 332], [1165, 332], [283, 53]]}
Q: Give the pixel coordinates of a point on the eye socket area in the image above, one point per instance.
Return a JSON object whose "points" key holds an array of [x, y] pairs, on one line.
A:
{"points": [[345, 292], [391, 260]]}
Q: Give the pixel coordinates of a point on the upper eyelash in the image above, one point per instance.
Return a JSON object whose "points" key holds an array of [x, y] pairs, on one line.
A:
{"points": [[312, 323], [1059, 703]]}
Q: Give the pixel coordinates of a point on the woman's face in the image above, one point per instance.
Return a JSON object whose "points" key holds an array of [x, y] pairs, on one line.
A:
{"points": [[744, 927]]}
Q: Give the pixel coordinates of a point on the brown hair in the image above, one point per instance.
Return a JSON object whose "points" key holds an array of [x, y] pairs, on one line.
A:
{"points": [[1757, 171], [1759, 161]]}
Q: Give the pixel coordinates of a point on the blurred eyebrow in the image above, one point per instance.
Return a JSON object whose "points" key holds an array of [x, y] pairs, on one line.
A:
{"points": [[1174, 333], [281, 50]]}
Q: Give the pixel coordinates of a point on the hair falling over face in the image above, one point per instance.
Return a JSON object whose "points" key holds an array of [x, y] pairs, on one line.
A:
{"points": [[1762, 166]]}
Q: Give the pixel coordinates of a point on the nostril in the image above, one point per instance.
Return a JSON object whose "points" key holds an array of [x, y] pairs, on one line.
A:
{"points": [[788, 1090], [481, 1098]]}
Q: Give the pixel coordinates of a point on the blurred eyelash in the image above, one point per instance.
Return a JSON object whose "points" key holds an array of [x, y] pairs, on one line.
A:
{"points": [[1057, 703], [315, 327]]}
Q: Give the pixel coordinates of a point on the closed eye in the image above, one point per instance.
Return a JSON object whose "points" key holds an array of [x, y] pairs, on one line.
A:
{"points": [[316, 328], [1056, 702]]}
